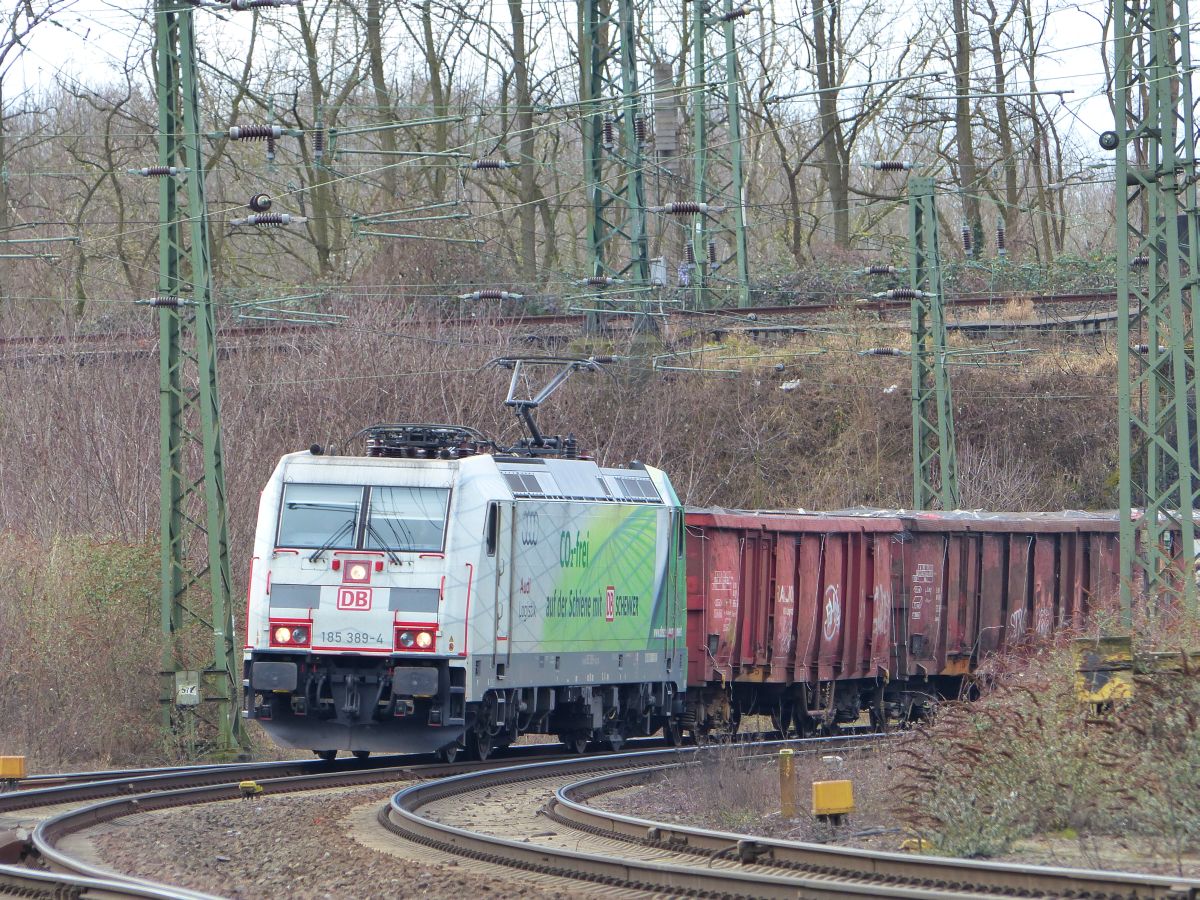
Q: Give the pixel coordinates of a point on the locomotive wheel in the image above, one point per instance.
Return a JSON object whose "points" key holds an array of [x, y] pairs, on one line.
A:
{"points": [[327, 755], [362, 754], [576, 741], [479, 744], [615, 739], [449, 753]]}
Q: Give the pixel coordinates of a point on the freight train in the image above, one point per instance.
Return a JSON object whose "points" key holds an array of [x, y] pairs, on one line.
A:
{"points": [[442, 593]]}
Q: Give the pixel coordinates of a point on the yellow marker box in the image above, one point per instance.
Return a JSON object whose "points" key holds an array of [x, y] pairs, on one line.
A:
{"points": [[12, 768], [832, 798]]}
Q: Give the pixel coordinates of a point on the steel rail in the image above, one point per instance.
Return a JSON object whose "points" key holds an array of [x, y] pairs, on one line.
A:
{"points": [[144, 781], [187, 786], [32, 883], [403, 816], [1011, 879], [774, 868]]}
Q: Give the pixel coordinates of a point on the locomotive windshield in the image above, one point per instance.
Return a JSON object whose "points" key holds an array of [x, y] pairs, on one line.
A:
{"points": [[329, 517], [406, 518], [320, 515]]}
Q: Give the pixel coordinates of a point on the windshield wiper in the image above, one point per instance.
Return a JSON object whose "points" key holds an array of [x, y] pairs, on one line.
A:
{"points": [[374, 532], [333, 539]]}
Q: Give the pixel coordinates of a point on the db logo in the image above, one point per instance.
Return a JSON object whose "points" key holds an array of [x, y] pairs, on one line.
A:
{"points": [[610, 603], [354, 598]]}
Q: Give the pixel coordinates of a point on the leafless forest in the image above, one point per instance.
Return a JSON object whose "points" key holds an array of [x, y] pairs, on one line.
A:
{"points": [[963, 89]]}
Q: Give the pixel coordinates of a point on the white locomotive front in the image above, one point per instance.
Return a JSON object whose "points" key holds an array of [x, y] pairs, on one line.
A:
{"points": [[439, 595]]}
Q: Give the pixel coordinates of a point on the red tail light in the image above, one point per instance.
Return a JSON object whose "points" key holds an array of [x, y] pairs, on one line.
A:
{"points": [[285, 633], [416, 638]]}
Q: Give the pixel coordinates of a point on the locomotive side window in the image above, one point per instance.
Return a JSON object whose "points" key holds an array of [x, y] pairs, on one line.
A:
{"points": [[493, 528], [406, 518], [319, 515]]}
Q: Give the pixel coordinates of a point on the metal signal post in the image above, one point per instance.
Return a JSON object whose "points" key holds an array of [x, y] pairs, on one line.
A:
{"points": [[200, 688], [1158, 261], [935, 467]]}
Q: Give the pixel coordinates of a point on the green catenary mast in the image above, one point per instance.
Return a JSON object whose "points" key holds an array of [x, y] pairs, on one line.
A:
{"points": [[199, 697], [718, 243], [613, 151], [935, 469], [1157, 264]]}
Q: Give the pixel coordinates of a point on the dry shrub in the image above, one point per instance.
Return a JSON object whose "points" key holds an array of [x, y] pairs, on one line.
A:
{"points": [[1014, 763], [1015, 309], [1027, 759], [79, 650], [1019, 309]]}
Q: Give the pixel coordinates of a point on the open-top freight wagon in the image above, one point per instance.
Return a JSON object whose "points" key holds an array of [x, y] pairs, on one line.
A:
{"points": [[812, 618]]}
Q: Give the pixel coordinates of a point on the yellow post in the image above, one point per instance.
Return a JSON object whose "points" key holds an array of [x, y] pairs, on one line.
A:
{"points": [[787, 783]]}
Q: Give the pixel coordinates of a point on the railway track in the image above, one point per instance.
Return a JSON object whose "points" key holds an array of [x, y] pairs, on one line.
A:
{"points": [[537, 817], [99, 347], [546, 826], [35, 821]]}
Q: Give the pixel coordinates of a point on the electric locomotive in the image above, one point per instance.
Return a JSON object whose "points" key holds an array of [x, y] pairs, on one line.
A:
{"points": [[442, 592]]}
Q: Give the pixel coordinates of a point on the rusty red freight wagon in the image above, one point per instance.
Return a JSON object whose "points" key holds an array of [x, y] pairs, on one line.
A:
{"points": [[815, 618]]}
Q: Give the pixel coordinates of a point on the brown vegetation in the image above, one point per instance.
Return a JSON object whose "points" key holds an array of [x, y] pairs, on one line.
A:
{"points": [[1027, 765]]}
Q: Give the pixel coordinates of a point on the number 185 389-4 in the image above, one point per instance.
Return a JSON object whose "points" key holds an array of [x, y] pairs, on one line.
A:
{"points": [[356, 638]]}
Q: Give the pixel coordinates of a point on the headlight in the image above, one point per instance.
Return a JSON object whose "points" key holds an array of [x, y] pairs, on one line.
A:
{"points": [[416, 637], [358, 572], [290, 634]]}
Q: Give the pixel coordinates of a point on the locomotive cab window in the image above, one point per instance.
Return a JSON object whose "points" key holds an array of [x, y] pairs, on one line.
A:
{"points": [[406, 518], [320, 515]]}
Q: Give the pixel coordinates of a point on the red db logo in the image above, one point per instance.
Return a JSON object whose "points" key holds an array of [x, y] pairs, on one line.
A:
{"points": [[610, 603], [358, 599]]}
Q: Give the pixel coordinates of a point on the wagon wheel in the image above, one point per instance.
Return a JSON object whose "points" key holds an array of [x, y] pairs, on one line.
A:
{"points": [[362, 754], [877, 710], [700, 735], [576, 741], [806, 726], [672, 731], [735, 721], [327, 755], [781, 718]]}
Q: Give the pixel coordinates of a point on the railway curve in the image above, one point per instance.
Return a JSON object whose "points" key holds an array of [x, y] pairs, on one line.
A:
{"points": [[568, 838]]}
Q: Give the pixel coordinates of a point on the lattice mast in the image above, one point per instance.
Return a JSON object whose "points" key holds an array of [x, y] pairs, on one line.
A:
{"points": [[200, 689], [718, 245], [1157, 263], [613, 151], [935, 468]]}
